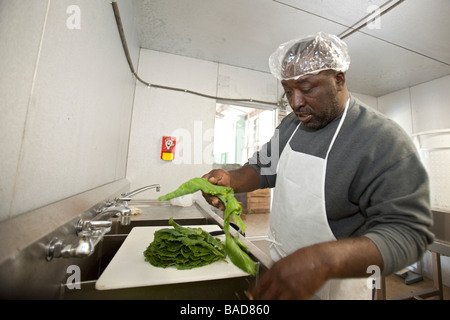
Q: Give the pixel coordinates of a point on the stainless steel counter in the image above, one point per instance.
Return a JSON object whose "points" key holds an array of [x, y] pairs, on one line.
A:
{"points": [[26, 274]]}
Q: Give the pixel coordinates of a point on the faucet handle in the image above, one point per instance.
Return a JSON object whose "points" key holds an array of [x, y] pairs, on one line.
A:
{"points": [[123, 198], [85, 247], [54, 248], [58, 249], [89, 225]]}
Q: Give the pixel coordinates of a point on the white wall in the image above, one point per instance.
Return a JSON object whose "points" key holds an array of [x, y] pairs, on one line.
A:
{"points": [[369, 100], [397, 106], [160, 112], [239, 83], [424, 109], [418, 109], [66, 100], [430, 105]]}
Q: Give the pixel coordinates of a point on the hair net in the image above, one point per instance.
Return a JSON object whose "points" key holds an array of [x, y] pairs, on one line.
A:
{"points": [[309, 55]]}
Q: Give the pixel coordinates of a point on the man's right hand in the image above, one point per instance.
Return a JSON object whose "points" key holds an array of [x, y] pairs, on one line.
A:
{"points": [[244, 179], [218, 177]]}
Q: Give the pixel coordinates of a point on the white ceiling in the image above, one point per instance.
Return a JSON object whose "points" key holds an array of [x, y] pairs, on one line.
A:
{"points": [[411, 45]]}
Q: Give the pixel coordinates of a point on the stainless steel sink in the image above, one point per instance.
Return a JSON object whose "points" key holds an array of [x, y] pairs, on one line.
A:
{"points": [[224, 289], [27, 273], [231, 288], [156, 213]]}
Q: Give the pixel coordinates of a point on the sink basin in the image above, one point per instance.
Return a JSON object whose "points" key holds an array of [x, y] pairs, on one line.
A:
{"points": [[229, 289], [224, 289], [155, 213]]}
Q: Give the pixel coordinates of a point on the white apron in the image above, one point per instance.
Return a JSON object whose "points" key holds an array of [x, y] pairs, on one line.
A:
{"points": [[299, 219]]}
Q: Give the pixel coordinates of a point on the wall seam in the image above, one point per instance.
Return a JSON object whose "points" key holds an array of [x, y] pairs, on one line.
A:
{"points": [[132, 114], [33, 82], [411, 111]]}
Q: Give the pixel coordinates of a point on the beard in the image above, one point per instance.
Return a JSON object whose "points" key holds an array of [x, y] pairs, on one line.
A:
{"points": [[319, 120]]}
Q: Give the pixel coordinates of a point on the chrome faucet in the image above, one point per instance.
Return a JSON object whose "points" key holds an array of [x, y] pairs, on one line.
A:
{"points": [[92, 231], [112, 210], [90, 237], [120, 206], [57, 248], [127, 196]]}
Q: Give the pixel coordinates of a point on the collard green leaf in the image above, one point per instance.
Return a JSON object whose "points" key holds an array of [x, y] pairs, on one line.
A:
{"points": [[234, 247], [184, 248]]}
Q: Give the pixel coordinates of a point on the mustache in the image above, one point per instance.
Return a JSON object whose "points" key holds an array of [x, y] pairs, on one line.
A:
{"points": [[304, 111]]}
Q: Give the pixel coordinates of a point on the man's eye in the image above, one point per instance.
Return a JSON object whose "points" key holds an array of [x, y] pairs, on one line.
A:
{"points": [[306, 90]]}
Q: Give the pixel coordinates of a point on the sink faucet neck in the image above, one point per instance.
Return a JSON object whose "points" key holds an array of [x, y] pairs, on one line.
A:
{"points": [[127, 196]]}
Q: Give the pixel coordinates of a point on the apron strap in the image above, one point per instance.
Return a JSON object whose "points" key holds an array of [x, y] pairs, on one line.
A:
{"points": [[344, 114]]}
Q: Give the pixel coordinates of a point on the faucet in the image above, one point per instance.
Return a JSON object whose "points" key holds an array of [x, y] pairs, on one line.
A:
{"points": [[92, 231], [125, 197], [117, 207], [120, 206], [57, 248], [111, 210]]}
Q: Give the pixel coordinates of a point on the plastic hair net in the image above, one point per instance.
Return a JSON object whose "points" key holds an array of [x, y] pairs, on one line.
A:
{"points": [[309, 55]]}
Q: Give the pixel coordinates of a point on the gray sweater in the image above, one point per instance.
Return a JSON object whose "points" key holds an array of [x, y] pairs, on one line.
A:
{"points": [[375, 185]]}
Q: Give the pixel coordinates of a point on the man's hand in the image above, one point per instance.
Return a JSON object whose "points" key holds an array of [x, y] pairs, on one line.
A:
{"points": [[297, 276], [218, 177], [244, 179], [300, 274]]}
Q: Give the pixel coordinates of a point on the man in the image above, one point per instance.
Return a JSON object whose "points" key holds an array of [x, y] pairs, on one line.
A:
{"points": [[350, 190]]}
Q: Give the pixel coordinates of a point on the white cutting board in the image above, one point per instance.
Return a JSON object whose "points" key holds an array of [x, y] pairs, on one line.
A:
{"points": [[129, 269]]}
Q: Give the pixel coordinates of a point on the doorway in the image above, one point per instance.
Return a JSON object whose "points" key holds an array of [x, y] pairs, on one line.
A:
{"points": [[239, 132]]}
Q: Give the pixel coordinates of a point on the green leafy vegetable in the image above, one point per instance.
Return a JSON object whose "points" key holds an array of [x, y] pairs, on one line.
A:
{"points": [[184, 248], [234, 247]]}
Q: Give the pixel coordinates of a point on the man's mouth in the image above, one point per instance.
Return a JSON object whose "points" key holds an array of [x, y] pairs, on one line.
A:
{"points": [[304, 116]]}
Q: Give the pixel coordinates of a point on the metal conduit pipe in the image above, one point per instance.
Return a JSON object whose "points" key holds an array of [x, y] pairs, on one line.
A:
{"points": [[130, 63]]}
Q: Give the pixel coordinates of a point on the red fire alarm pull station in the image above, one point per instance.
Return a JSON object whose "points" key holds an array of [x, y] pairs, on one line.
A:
{"points": [[168, 148]]}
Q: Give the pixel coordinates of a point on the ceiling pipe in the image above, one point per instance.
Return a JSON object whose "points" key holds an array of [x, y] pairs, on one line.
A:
{"points": [[352, 29], [250, 101], [363, 22]]}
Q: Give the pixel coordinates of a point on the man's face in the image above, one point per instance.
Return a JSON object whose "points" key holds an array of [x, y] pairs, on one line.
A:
{"points": [[314, 98]]}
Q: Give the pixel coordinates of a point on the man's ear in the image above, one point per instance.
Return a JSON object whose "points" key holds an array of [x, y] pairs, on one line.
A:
{"points": [[340, 80]]}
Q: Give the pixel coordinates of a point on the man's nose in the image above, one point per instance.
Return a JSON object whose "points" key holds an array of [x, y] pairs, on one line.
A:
{"points": [[297, 100]]}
